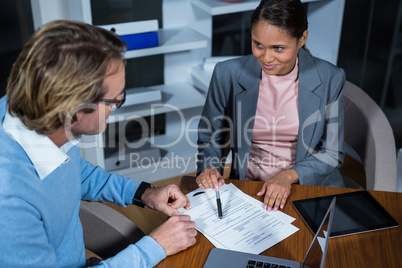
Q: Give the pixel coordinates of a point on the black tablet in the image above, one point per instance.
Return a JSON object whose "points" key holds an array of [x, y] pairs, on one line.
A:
{"points": [[355, 212]]}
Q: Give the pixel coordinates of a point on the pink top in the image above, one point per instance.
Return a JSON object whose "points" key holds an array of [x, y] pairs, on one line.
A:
{"points": [[273, 145]]}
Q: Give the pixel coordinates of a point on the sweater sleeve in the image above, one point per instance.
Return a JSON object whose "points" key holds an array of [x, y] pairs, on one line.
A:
{"points": [[99, 185], [145, 253]]}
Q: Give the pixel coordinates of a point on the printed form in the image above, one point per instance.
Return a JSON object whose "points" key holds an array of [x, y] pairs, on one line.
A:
{"points": [[245, 225]]}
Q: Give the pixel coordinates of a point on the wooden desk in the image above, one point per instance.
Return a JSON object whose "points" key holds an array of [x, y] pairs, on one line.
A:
{"points": [[382, 248]]}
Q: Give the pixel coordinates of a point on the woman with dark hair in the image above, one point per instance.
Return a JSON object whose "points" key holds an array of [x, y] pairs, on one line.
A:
{"points": [[279, 110]]}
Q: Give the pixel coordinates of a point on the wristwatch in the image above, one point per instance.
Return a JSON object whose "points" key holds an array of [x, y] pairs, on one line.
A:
{"points": [[139, 192]]}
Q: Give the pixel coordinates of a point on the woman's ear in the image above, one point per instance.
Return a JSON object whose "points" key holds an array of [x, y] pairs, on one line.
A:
{"points": [[303, 39]]}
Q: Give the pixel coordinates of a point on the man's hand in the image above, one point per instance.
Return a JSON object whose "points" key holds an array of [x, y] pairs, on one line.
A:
{"points": [[210, 178], [277, 189], [167, 199], [176, 234]]}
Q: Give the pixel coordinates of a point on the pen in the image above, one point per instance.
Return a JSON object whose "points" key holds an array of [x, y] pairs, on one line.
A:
{"points": [[218, 202]]}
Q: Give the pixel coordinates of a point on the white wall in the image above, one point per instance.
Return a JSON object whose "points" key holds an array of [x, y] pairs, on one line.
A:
{"points": [[44, 11]]}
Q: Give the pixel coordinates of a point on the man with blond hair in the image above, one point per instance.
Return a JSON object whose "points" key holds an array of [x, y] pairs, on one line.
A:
{"points": [[65, 83]]}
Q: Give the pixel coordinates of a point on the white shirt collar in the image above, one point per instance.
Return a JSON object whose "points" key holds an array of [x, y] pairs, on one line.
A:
{"points": [[44, 154]]}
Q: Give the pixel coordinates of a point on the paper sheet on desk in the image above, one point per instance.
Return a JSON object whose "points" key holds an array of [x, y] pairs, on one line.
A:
{"points": [[245, 225]]}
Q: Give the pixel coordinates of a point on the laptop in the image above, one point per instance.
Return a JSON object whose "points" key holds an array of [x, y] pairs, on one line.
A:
{"points": [[314, 258]]}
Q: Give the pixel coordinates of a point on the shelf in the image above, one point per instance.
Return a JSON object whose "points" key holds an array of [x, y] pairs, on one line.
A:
{"points": [[171, 40], [201, 74], [217, 7], [177, 143], [178, 96], [200, 78], [161, 170], [180, 157]]}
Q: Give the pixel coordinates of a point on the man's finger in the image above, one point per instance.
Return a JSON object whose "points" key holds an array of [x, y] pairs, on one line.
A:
{"points": [[182, 202]]}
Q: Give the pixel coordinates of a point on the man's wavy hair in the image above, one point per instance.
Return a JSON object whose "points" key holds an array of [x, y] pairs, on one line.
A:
{"points": [[60, 68]]}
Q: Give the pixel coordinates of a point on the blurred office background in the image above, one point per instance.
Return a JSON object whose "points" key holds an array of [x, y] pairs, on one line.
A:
{"points": [[370, 52], [370, 48]]}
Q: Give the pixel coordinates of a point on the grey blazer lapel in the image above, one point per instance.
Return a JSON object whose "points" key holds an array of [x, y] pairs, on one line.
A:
{"points": [[246, 99], [309, 103]]}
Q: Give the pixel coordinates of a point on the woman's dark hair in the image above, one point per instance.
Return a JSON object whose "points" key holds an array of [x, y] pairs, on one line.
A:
{"points": [[288, 15]]}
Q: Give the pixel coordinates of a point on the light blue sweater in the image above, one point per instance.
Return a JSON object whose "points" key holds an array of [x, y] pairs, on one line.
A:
{"points": [[39, 222]]}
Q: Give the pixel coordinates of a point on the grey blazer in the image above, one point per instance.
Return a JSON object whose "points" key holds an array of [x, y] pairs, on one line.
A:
{"points": [[228, 118]]}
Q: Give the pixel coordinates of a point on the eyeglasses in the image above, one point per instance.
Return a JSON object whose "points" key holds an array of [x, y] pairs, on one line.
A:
{"points": [[118, 103]]}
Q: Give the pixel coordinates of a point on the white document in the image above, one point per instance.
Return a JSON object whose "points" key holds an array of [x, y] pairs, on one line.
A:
{"points": [[245, 225]]}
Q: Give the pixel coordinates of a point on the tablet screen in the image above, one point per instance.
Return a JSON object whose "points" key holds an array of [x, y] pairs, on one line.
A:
{"points": [[355, 212]]}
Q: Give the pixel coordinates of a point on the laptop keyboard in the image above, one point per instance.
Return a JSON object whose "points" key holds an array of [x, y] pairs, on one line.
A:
{"points": [[262, 264]]}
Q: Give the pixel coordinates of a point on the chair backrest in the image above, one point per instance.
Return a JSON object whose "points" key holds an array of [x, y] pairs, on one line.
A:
{"points": [[369, 133], [106, 231]]}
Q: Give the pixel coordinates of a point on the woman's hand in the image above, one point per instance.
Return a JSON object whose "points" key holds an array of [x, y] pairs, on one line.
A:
{"points": [[277, 189], [210, 178]]}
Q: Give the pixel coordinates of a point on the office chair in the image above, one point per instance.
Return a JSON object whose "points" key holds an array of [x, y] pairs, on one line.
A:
{"points": [[369, 134], [106, 231]]}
